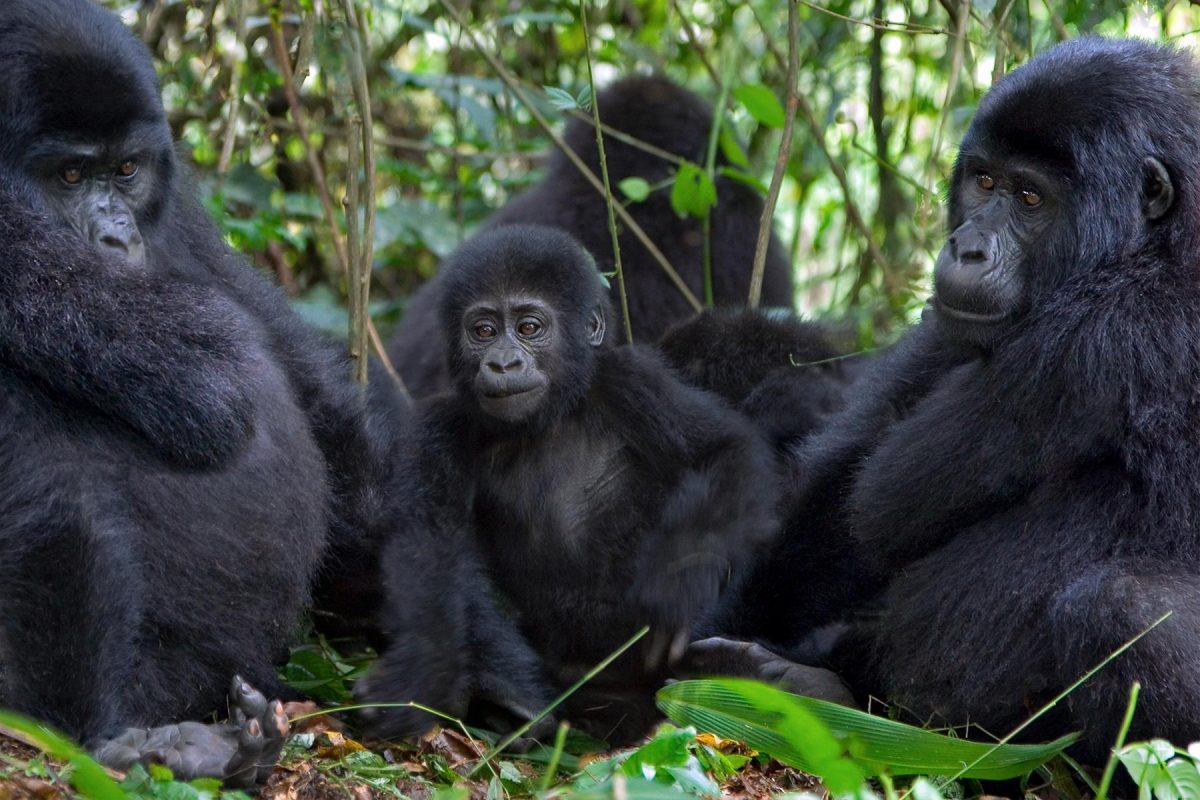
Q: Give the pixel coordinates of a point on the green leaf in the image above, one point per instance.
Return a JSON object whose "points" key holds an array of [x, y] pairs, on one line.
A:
{"points": [[693, 192], [1160, 771], [636, 189], [743, 177], [87, 776], [584, 98], [766, 719], [762, 104], [667, 749], [732, 149], [810, 734], [560, 98]]}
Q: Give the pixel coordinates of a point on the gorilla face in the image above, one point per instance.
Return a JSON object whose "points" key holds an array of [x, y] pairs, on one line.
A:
{"points": [[509, 339], [83, 122], [98, 195]]}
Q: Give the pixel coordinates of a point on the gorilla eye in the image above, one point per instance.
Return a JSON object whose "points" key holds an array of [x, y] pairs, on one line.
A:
{"points": [[72, 175], [1031, 198], [484, 331], [985, 182], [128, 169], [528, 328]]}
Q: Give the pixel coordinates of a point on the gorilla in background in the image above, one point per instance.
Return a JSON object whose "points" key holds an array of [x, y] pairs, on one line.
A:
{"points": [[565, 494], [1023, 470], [174, 443], [786, 374], [659, 113]]}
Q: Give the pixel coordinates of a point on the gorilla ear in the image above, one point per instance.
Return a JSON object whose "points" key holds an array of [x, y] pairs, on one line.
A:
{"points": [[1158, 194], [596, 330]]}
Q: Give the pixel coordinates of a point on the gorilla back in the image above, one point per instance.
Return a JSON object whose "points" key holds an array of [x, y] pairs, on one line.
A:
{"points": [[164, 419]]}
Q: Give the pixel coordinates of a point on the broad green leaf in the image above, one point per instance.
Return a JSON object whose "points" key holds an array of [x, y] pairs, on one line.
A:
{"points": [[669, 748], [762, 104], [1161, 771], [797, 730], [693, 192], [636, 189], [766, 719], [87, 776]]}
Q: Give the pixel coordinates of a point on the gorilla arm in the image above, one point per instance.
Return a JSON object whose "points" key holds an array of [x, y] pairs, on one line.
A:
{"points": [[720, 507], [162, 357], [448, 642]]}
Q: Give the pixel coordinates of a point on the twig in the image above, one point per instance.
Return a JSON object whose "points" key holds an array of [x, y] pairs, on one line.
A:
{"points": [[339, 246], [360, 273], [817, 131], [694, 41], [630, 223], [956, 60], [765, 227], [885, 24], [235, 95], [608, 198], [632, 141]]}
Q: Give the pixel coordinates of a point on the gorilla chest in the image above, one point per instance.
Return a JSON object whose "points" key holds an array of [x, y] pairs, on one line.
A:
{"points": [[550, 495]]}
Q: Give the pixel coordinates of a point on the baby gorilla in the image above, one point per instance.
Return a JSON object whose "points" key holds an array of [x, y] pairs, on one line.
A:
{"points": [[565, 494]]}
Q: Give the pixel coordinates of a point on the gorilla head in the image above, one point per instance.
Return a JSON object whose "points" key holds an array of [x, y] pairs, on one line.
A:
{"points": [[1073, 161], [524, 314], [81, 119]]}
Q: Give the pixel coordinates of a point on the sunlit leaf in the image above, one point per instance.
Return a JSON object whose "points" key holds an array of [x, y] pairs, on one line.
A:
{"points": [[762, 104], [693, 192], [636, 189]]}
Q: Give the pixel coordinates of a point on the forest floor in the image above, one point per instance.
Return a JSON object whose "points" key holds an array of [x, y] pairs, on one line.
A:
{"points": [[322, 762]]}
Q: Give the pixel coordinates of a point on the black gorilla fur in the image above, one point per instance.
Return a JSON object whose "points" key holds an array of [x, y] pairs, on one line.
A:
{"points": [[174, 442], [671, 118], [539, 541], [1024, 468], [786, 374]]}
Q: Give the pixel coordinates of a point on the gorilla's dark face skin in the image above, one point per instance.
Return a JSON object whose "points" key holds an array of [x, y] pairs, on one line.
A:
{"points": [[1007, 207], [98, 189], [507, 339]]}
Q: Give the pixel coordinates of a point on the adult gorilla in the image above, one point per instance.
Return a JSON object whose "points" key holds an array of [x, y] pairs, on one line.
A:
{"points": [[659, 113], [173, 440], [1024, 469]]}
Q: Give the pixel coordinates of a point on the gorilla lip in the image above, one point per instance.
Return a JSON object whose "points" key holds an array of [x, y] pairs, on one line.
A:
{"points": [[962, 315]]}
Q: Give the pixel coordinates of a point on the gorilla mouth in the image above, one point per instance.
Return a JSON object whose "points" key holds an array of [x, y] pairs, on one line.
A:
{"points": [[501, 394], [973, 317]]}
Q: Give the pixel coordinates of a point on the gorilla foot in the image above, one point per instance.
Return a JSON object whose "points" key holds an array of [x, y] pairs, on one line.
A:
{"points": [[727, 657], [241, 752]]}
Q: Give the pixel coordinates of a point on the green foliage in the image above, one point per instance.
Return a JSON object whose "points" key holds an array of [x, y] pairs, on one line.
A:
{"points": [[1163, 771], [693, 193], [86, 775], [836, 742], [762, 104], [453, 143]]}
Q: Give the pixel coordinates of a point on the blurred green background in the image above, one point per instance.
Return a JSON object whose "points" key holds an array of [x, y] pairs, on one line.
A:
{"points": [[888, 88]]}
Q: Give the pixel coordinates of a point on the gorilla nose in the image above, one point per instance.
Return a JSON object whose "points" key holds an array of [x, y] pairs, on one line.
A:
{"points": [[973, 246], [119, 234], [507, 362]]}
